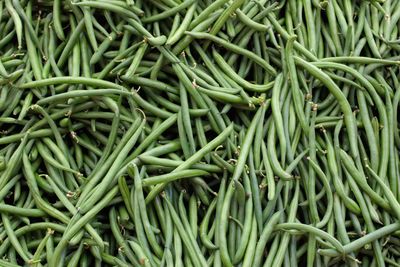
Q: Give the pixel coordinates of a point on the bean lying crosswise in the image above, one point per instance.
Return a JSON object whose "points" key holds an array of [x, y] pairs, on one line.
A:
{"points": [[199, 133]]}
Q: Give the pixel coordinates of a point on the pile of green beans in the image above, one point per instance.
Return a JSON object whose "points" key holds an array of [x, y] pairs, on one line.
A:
{"points": [[199, 133]]}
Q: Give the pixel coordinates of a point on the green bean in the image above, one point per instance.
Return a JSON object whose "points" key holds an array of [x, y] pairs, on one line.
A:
{"points": [[104, 45], [133, 171], [348, 115], [295, 89], [367, 217], [173, 176], [72, 80], [362, 241], [350, 204], [255, 192], [156, 151], [17, 21], [303, 227], [311, 181], [285, 238], [81, 93], [272, 157], [272, 251], [186, 120], [43, 205], [13, 162], [5, 263], [184, 25], [73, 210], [224, 16], [42, 244], [70, 44], [103, 186], [233, 48], [225, 258], [227, 69], [168, 13], [151, 137], [193, 215], [386, 190], [81, 222], [264, 237], [247, 228], [370, 39], [46, 156], [204, 225], [151, 83], [196, 259], [210, 9], [131, 13], [248, 258], [139, 228], [276, 112], [13, 238], [139, 252], [325, 182], [361, 181], [21, 211], [136, 60], [187, 226], [32, 227], [190, 161], [27, 19], [57, 20], [249, 22]]}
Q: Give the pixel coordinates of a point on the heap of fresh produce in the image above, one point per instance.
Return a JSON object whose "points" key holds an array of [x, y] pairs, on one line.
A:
{"points": [[199, 133]]}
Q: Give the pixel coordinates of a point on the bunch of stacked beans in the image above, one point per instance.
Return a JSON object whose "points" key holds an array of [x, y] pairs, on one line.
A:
{"points": [[199, 133]]}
